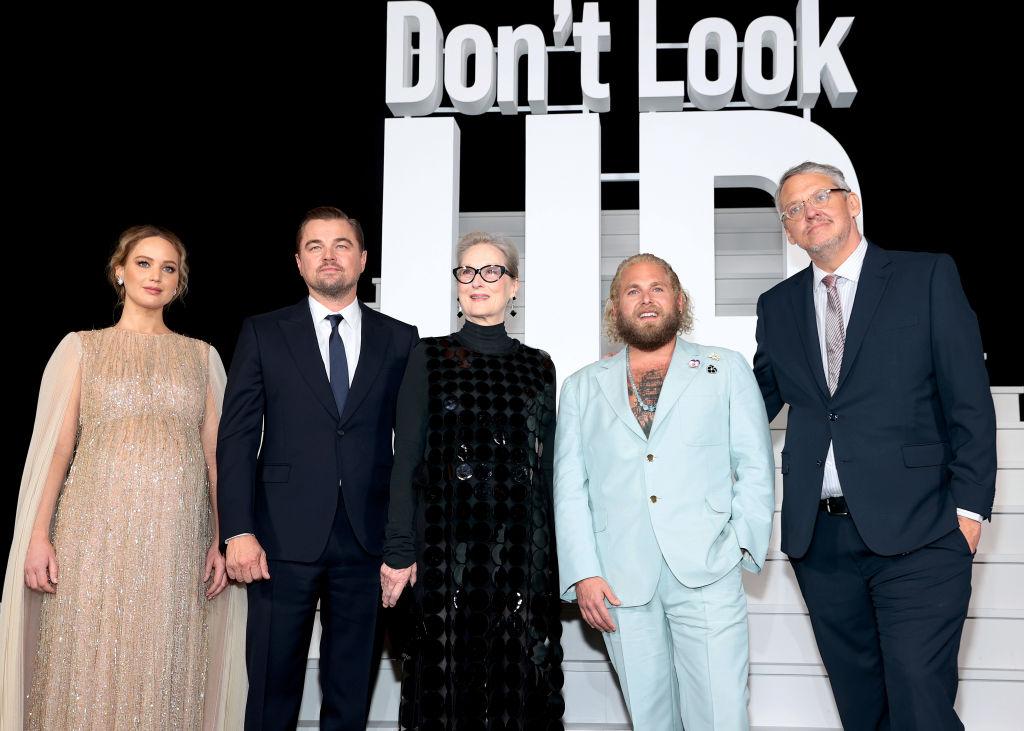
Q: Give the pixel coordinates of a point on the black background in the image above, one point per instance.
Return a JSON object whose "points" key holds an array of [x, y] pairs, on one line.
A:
{"points": [[227, 125]]}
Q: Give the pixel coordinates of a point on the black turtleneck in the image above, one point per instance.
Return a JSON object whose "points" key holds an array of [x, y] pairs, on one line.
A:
{"points": [[486, 339], [411, 437]]}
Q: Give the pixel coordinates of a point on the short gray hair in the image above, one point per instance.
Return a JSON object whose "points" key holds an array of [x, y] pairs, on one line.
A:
{"points": [[506, 247], [814, 168]]}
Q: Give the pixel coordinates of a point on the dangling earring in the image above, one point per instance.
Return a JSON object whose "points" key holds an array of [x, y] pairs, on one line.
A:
{"points": [[512, 312], [120, 282], [457, 302]]}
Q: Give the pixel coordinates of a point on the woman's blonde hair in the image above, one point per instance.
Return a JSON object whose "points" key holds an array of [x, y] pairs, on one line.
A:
{"points": [[127, 241]]}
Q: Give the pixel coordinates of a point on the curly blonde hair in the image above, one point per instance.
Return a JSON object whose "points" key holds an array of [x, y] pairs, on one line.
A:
{"points": [[611, 305]]}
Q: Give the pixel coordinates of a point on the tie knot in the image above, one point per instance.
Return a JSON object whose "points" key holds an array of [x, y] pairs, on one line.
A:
{"points": [[335, 320], [829, 281]]}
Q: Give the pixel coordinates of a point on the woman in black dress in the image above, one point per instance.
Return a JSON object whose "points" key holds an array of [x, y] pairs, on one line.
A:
{"points": [[470, 523]]}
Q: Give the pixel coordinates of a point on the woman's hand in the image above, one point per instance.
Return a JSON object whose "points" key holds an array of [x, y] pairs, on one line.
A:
{"points": [[215, 568], [41, 566], [392, 581]]}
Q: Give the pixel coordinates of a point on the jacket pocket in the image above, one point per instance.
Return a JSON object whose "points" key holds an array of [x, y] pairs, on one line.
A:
{"points": [[719, 501], [275, 472], [926, 455]]}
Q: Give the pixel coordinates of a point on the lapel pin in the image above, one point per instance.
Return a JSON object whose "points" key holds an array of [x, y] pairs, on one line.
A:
{"points": [[712, 369], [694, 363], [714, 356]]}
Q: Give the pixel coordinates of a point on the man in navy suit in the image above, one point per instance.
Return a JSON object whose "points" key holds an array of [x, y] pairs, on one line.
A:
{"points": [[304, 461], [889, 463]]}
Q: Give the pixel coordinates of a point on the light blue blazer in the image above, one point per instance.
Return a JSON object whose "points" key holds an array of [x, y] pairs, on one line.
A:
{"points": [[697, 492]]}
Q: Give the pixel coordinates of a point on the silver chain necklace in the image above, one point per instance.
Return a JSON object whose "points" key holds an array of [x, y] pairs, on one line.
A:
{"points": [[644, 406]]}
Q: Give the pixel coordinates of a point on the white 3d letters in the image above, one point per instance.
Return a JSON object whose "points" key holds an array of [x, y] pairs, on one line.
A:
{"points": [[404, 98]]}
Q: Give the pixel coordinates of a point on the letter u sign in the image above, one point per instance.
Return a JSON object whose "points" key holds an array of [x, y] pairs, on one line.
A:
{"points": [[684, 156]]}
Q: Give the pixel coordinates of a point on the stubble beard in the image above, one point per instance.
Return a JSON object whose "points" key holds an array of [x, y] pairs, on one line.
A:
{"points": [[824, 251]]}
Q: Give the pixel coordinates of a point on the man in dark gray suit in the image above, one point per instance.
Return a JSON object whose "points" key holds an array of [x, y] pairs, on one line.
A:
{"points": [[890, 459]]}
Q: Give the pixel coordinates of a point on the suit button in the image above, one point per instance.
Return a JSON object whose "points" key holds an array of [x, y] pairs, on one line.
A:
{"points": [[820, 462], [833, 417], [341, 432], [654, 498], [650, 458]]}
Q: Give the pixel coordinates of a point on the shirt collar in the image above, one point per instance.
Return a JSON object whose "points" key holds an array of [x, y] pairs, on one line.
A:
{"points": [[849, 269], [352, 314]]}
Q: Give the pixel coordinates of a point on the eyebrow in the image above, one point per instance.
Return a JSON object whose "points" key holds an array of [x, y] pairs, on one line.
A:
{"points": [[320, 241], [809, 194], [149, 258], [652, 284]]}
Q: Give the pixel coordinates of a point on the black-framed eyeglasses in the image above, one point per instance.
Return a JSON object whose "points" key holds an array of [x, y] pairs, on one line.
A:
{"points": [[488, 273], [819, 199]]}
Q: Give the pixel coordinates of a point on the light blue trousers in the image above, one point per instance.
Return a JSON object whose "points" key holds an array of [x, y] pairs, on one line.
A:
{"points": [[682, 658]]}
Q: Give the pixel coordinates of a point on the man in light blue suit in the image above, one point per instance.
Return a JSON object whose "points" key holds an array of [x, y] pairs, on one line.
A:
{"points": [[664, 488]]}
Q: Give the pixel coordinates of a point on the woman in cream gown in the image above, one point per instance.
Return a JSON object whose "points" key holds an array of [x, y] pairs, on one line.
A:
{"points": [[111, 617]]}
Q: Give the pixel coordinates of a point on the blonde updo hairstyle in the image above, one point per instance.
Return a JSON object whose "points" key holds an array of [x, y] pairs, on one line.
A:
{"points": [[127, 241]]}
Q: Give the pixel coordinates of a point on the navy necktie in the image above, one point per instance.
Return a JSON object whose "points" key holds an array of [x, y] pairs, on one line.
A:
{"points": [[339, 364]]}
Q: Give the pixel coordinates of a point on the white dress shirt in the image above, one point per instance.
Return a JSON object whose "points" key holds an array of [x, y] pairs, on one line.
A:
{"points": [[847, 276], [350, 329], [846, 282]]}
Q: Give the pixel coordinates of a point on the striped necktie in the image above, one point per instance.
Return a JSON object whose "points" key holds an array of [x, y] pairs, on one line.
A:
{"points": [[835, 331]]}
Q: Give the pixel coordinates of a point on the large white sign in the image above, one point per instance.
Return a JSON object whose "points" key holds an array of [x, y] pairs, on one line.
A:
{"points": [[686, 150], [817, 61]]}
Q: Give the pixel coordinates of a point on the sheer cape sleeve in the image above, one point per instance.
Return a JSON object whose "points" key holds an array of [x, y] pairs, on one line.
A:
{"points": [[19, 611], [226, 681]]}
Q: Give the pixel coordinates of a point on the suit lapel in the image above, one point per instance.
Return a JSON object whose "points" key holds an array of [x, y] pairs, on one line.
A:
{"points": [[802, 301], [677, 380], [374, 343], [874, 277], [302, 343], [612, 379]]}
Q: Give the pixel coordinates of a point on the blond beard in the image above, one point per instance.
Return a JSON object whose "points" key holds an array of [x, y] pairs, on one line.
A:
{"points": [[643, 338]]}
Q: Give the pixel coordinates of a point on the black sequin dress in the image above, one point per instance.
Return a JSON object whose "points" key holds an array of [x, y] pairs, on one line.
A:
{"points": [[471, 504]]}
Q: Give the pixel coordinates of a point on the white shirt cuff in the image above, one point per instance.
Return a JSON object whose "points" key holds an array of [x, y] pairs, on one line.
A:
{"points": [[969, 514], [228, 540]]}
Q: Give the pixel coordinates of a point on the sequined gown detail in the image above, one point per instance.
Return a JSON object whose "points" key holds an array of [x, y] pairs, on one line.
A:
{"points": [[123, 641], [485, 651]]}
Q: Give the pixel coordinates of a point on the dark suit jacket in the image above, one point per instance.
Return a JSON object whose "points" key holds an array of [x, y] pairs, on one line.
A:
{"points": [[286, 491], [912, 419]]}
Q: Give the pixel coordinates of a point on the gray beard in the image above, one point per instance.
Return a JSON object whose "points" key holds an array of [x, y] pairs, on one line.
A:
{"points": [[828, 247], [647, 339]]}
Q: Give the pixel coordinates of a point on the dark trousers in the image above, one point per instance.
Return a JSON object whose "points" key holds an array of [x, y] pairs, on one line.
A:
{"points": [[888, 627], [346, 582]]}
